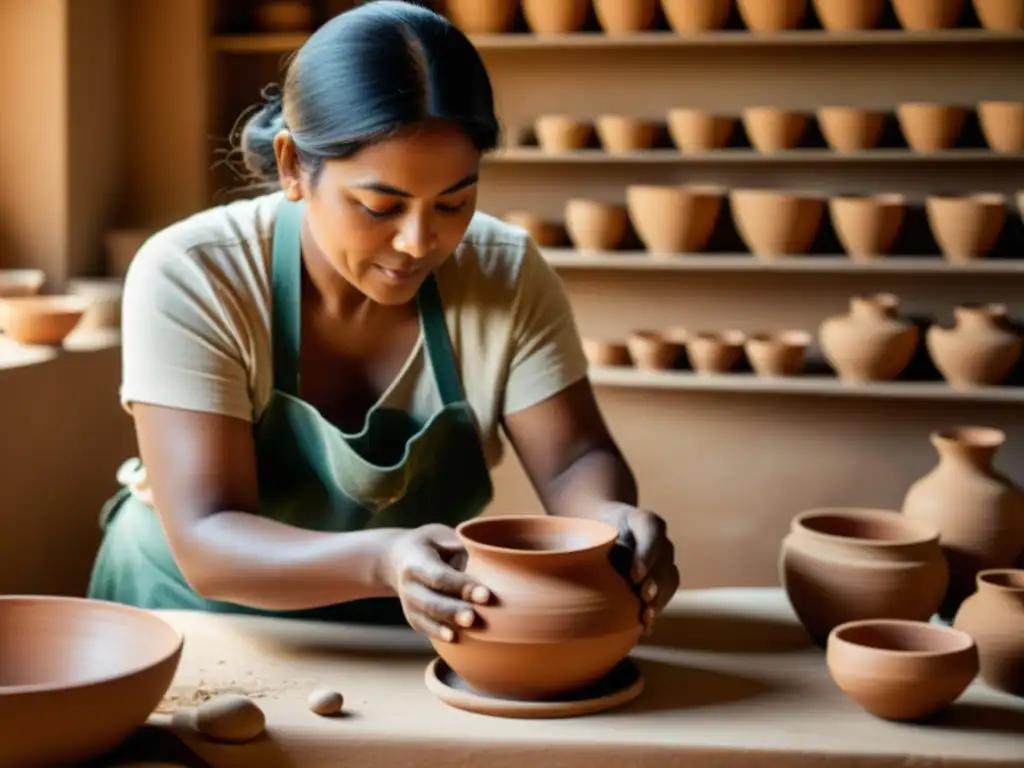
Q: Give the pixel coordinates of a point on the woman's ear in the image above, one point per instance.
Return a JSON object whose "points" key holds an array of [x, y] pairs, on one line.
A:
{"points": [[289, 170]]}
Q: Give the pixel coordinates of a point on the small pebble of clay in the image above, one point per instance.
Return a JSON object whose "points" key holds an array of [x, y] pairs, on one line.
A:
{"points": [[325, 702], [231, 718]]}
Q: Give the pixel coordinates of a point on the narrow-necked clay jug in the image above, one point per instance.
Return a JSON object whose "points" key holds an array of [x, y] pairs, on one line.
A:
{"points": [[871, 342], [980, 349], [979, 511], [562, 616], [994, 617]]}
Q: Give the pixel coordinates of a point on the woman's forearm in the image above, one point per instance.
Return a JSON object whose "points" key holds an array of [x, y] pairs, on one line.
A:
{"points": [[598, 477]]}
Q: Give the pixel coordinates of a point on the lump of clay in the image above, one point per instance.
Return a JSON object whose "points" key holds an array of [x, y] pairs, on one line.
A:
{"points": [[325, 702], [231, 718]]}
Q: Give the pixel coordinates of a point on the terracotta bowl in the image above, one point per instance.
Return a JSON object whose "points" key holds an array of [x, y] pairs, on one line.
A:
{"points": [[901, 670], [923, 15], [555, 17], [1002, 123], [121, 247], [771, 129], [104, 295], [966, 227], [781, 353], [772, 15], [476, 18], [671, 219], [605, 352], [21, 282], [78, 677], [562, 133], [776, 223], [847, 16], [545, 233], [43, 320], [929, 127], [715, 351], [283, 16], [1000, 15], [699, 130], [623, 133], [594, 225], [653, 350], [867, 227], [625, 17], [851, 129], [689, 17]]}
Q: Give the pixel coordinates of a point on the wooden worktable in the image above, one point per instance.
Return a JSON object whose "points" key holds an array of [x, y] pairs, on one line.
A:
{"points": [[730, 681]]}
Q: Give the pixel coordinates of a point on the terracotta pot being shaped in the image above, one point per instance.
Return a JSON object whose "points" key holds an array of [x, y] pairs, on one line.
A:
{"points": [[561, 133], [851, 129], [930, 127], [695, 16], [698, 130], [771, 129], [994, 617], [774, 223], [594, 225], [847, 16], [623, 133], [624, 17], [482, 17], [674, 219], [1002, 123], [845, 564], [868, 226], [772, 15], [555, 17], [777, 354], [653, 351], [981, 349], [871, 342], [562, 617], [966, 227], [921, 15], [901, 670], [978, 511], [1000, 15]]}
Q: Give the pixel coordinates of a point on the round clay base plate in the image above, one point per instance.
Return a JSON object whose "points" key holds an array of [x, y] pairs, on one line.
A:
{"points": [[623, 684]]}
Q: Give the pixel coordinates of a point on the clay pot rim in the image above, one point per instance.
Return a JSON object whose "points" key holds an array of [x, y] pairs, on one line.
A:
{"points": [[765, 108], [600, 533], [587, 201], [969, 437], [65, 303], [701, 112], [625, 118], [787, 338], [986, 103], [943, 105], [729, 337], [982, 198], [175, 638], [704, 190], [866, 111], [1012, 578], [795, 194], [649, 334], [959, 641], [916, 533], [562, 117], [893, 198]]}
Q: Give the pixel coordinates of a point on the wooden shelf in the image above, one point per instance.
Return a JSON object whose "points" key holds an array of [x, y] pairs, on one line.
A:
{"points": [[813, 385], [663, 156], [641, 261]]}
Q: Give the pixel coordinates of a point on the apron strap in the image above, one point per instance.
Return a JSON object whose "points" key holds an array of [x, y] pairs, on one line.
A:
{"points": [[439, 343]]}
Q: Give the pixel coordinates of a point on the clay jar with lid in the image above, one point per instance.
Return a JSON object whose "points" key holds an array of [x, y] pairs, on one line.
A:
{"points": [[848, 564], [994, 617], [561, 617], [978, 511], [981, 349], [871, 342]]}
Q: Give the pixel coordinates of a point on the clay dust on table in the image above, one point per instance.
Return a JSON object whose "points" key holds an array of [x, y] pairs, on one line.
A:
{"points": [[210, 686]]}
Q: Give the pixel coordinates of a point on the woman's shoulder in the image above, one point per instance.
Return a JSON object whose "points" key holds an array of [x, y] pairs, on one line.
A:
{"points": [[493, 253]]}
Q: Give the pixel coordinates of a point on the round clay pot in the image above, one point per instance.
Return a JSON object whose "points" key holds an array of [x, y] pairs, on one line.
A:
{"points": [[930, 127], [482, 17], [602, 352], [772, 15], [851, 129], [774, 223], [871, 342], [561, 133], [622, 133], [846, 16], [980, 350], [698, 130], [901, 670], [121, 246], [672, 220], [562, 616], [867, 226], [978, 511], [625, 17], [689, 17], [922, 15], [771, 129], [1002, 123], [966, 228], [104, 295], [594, 225], [777, 354], [715, 351], [846, 564], [21, 282], [994, 617], [79, 677], [546, 234], [283, 16], [651, 350], [44, 320], [1000, 15], [555, 17]]}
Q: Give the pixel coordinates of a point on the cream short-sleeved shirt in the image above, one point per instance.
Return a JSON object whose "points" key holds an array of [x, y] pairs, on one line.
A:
{"points": [[196, 321]]}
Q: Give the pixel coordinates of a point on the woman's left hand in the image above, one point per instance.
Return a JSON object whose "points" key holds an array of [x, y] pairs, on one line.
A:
{"points": [[652, 569]]}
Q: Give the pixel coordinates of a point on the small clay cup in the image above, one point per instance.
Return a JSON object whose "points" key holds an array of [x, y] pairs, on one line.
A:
{"points": [[688, 17], [554, 17], [776, 223], [772, 15], [1000, 15], [699, 130], [715, 351], [625, 17], [653, 351], [605, 352], [782, 353], [1002, 123], [482, 18], [928, 15], [966, 227], [851, 129], [867, 227], [849, 15], [772, 129]]}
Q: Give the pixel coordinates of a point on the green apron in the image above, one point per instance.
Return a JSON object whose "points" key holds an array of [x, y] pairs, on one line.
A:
{"points": [[396, 472]]}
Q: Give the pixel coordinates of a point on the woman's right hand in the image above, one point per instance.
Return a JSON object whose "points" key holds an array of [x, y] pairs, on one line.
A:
{"points": [[437, 597]]}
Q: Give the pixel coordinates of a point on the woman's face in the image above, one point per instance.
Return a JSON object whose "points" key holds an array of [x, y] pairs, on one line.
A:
{"points": [[387, 217]]}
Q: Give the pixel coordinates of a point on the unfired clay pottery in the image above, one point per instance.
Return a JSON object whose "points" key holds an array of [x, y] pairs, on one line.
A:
{"points": [[87, 671], [21, 282], [555, 17], [847, 564], [715, 351], [1000, 15], [921, 15], [561, 133], [694, 16], [772, 15], [674, 219], [777, 354], [121, 247], [929, 127], [623, 133], [482, 17], [603, 352], [283, 16], [871, 342], [994, 617], [594, 225], [776, 223], [966, 227], [43, 320], [1002, 123], [652, 351], [771, 129], [847, 16], [624, 17], [901, 670], [981, 349], [546, 234], [104, 296], [867, 226], [562, 617], [851, 129], [699, 130], [978, 510]]}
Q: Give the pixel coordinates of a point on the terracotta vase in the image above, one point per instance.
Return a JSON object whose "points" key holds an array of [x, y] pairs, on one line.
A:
{"points": [[871, 342], [847, 16], [851, 129], [653, 351], [699, 130], [625, 17], [594, 225], [624, 133], [929, 127], [922, 15], [562, 616], [981, 349], [867, 226], [978, 511], [771, 129], [555, 17], [672, 220], [689, 17], [776, 223], [844, 564], [772, 15], [966, 227], [1000, 15], [994, 617], [482, 17], [1002, 123], [777, 354]]}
